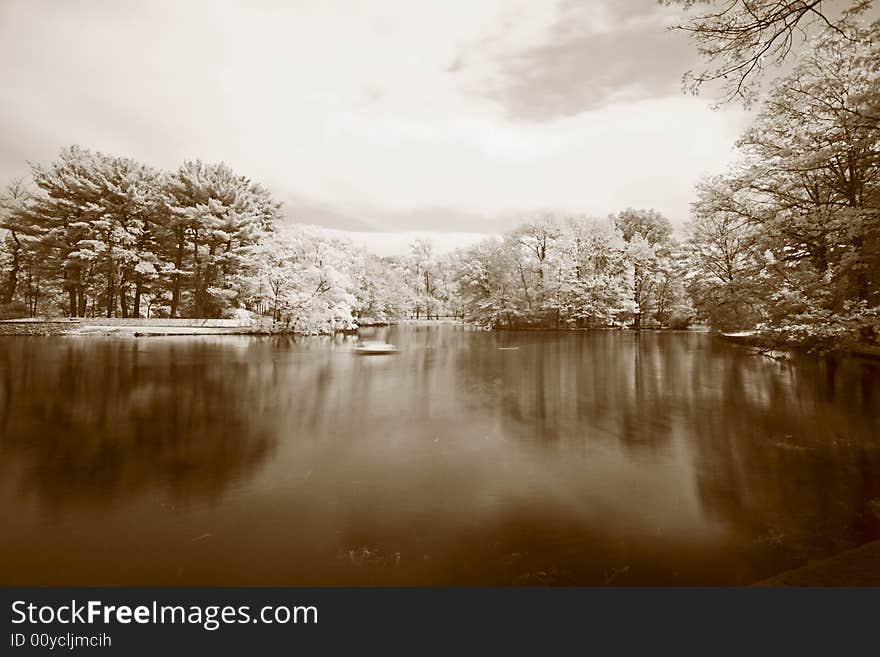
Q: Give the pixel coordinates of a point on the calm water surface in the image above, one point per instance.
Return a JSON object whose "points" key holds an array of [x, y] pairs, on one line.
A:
{"points": [[469, 458]]}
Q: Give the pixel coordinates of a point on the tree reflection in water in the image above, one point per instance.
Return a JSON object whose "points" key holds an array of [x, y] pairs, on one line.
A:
{"points": [[471, 457], [97, 422]]}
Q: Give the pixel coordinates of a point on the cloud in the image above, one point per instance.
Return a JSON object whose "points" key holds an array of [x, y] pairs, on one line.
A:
{"points": [[450, 116], [364, 219], [594, 54]]}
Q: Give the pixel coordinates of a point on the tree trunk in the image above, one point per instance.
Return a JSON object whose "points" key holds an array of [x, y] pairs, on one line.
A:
{"points": [[819, 256], [198, 276], [637, 293], [12, 277], [123, 304], [205, 282], [525, 287], [861, 276], [178, 263], [136, 308], [854, 188], [111, 297]]}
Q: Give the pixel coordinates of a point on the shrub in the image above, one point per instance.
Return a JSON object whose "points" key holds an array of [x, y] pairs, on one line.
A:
{"points": [[14, 310], [823, 330], [681, 320]]}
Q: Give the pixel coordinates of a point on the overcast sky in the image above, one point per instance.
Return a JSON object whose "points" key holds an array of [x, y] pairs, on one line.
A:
{"points": [[394, 115]]}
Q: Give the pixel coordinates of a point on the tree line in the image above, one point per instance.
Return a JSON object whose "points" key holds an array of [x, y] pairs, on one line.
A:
{"points": [[102, 235], [560, 271], [107, 235], [788, 240], [785, 243]]}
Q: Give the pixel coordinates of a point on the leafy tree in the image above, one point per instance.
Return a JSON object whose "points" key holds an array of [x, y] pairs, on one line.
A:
{"points": [[789, 241], [382, 293], [217, 220], [722, 247], [423, 277], [738, 39], [648, 234], [17, 237], [107, 234], [553, 271], [649, 225], [814, 163], [485, 284]]}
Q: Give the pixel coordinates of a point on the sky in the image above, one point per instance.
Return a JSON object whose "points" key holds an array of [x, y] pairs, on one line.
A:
{"points": [[393, 116]]}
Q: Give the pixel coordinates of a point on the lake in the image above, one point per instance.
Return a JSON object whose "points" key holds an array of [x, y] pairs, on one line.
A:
{"points": [[469, 458]]}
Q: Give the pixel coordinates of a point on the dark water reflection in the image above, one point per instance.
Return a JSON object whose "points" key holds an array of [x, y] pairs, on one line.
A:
{"points": [[469, 458]]}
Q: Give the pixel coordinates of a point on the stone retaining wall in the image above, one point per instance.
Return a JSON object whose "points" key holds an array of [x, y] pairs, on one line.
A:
{"points": [[61, 326], [205, 323], [38, 327]]}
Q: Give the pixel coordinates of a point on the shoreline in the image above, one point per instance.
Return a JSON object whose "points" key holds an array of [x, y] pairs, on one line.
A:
{"points": [[117, 327], [176, 327], [859, 566], [753, 339], [140, 327]]}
